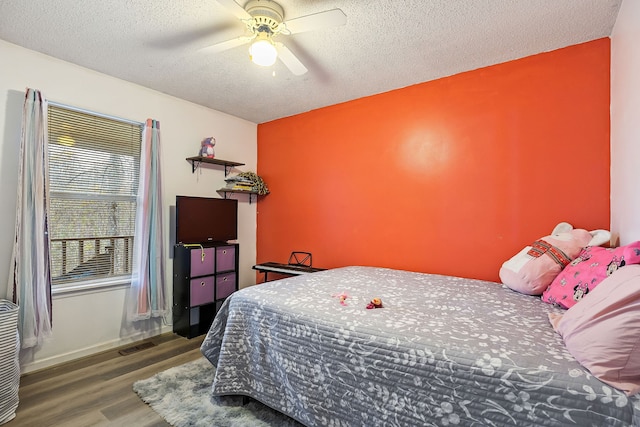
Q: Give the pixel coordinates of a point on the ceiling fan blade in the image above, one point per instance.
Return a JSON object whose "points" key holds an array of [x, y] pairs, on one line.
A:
{"points": [[226, 45], [191, 40], [316, 21], [290, 60], [234, 8]]}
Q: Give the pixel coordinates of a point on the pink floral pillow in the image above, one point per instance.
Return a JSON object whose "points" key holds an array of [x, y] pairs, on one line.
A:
{"points": [[583, 274]]}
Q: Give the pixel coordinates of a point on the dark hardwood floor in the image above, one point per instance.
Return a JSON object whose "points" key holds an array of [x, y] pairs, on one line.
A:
{"points": [[97, 390]]}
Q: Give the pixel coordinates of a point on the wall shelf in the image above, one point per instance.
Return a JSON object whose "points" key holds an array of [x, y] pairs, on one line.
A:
{"points": [[251, 194], [196, 161]]}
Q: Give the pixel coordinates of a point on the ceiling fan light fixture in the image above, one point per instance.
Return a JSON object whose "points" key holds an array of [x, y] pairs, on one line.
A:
{"points": [[263, 52]]}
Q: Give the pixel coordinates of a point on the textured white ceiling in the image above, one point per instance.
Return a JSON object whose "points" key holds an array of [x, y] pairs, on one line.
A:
{"points": [[385, 45]]}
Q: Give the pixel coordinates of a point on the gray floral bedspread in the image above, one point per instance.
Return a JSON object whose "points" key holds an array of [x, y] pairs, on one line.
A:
{"points": [[443, 351]]}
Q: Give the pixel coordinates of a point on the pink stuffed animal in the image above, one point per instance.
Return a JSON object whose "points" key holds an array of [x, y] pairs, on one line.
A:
{"points": [[206, 147], [533, 269]]}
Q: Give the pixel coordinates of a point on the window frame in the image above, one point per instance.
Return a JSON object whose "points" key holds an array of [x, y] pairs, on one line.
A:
{"points": [[121, 280]]}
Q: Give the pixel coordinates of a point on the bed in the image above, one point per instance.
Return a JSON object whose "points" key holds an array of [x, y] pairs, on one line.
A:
{"points": [[443, 351]]}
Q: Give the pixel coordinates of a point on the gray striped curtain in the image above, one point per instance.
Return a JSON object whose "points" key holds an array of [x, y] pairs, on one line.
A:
{"points": [[30, 281]]}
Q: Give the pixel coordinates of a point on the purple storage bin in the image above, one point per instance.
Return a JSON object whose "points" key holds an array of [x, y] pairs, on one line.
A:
{"points": [[202, 290], [225, 258], [202, 262], [225, 285]]}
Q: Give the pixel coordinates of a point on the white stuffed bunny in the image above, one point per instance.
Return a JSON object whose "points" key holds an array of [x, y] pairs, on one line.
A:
{"points": [[532, 269]]}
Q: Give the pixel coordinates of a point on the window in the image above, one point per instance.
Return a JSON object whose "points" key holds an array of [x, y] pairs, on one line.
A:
{"points": [[94, 164]]}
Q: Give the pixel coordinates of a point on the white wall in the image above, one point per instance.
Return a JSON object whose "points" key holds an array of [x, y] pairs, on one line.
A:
{"points": [[625, 123], [86, 322]]}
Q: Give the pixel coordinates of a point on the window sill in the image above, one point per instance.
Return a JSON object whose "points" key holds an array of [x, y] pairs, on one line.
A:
{"points": [[89, 287]]}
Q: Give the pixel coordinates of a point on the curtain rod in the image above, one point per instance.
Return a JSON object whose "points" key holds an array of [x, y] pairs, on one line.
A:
{"points": [[93, 113]]}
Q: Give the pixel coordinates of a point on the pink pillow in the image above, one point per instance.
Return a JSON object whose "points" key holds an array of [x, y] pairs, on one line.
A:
{"points": [[584, 273], [603, 333]]}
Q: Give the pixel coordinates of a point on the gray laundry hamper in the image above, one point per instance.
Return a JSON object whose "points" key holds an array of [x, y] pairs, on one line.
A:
{"points": [[9, 363]]}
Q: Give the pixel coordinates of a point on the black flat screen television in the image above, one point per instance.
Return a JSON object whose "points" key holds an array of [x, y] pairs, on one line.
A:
{"points": [[204, 219]]}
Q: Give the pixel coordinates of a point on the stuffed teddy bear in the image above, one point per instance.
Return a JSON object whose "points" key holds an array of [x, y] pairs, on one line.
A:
{"points": [[206, 149], [533, 269]]}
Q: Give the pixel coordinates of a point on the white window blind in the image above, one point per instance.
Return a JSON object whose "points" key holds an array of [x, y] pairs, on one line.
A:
{"points": [[94, 164]]}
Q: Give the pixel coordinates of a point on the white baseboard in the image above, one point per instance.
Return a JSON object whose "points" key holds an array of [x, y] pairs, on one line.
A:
{"points": [[36, 365]]}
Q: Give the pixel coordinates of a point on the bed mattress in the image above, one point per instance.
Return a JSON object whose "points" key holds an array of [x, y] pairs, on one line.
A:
{"points": [[443, 351]]}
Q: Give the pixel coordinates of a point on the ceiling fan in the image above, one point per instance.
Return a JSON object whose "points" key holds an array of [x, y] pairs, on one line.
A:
{"points": [[264, 21]]}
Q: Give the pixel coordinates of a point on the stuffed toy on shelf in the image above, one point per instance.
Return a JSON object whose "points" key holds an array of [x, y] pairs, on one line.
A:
{"points": [[206, 147]]}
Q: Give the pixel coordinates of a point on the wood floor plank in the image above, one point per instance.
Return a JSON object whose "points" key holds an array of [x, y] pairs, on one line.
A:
{"points": [[128, 405], [75, 379], [93, 360], [98, 390]]}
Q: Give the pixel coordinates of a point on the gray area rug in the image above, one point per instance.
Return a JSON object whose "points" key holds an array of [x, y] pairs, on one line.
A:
{"points": [[182, 396]]}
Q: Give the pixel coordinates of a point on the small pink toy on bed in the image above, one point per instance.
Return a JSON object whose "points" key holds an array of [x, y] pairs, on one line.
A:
{"points": [[342, 296], [533, 269], [374, 303]]}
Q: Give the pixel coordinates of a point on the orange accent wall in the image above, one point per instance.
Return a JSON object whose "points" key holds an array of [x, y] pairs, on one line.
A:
{"points": [[451, 176]]}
